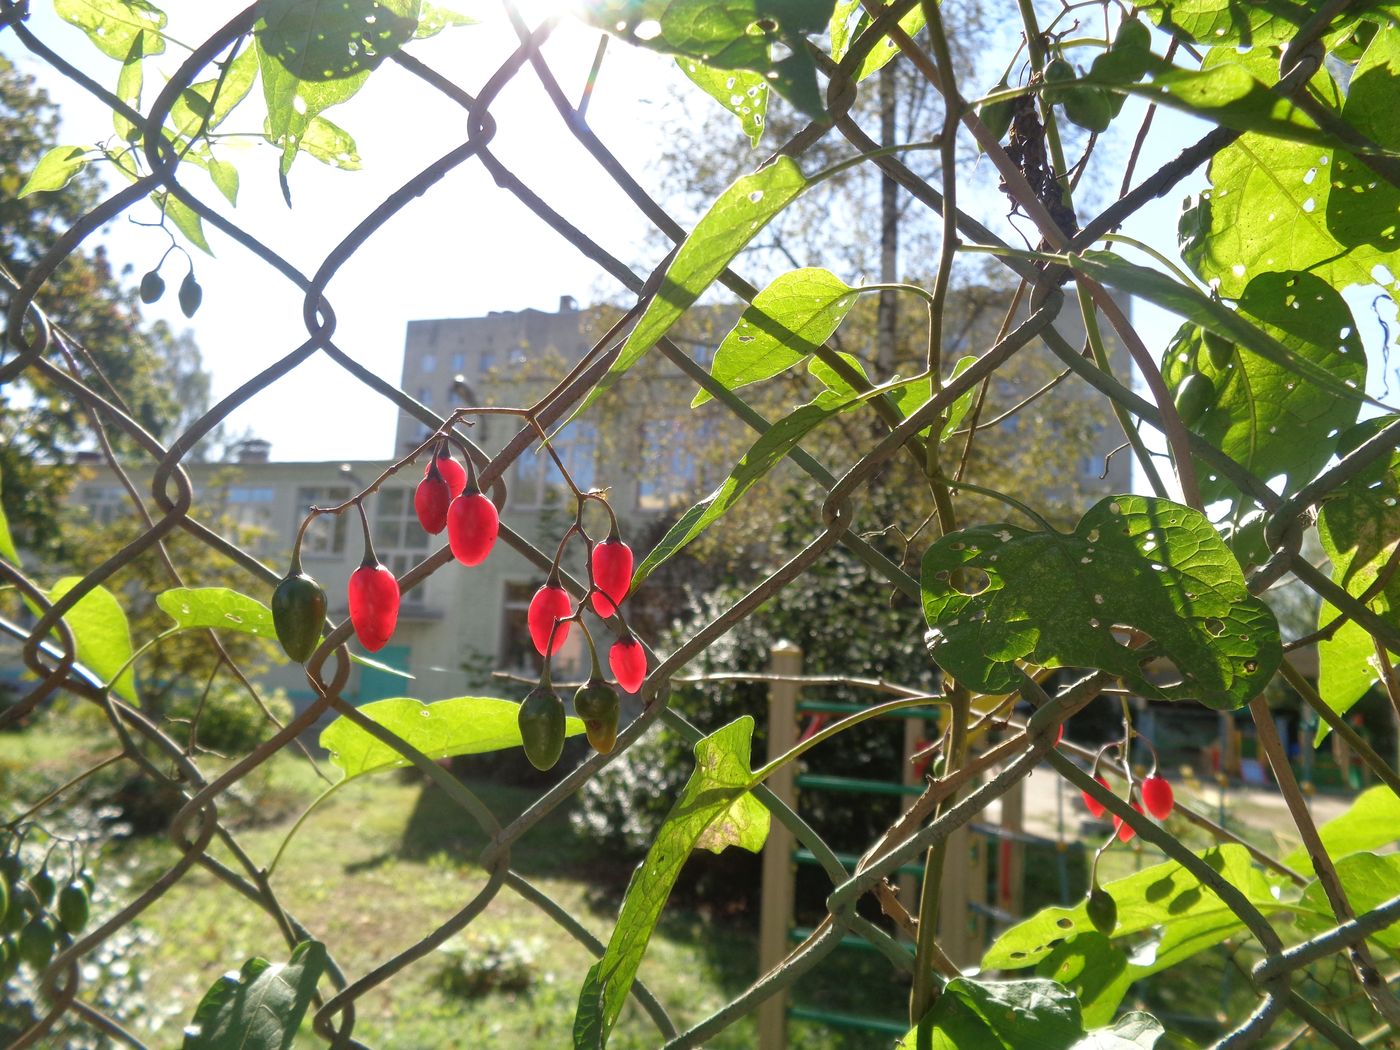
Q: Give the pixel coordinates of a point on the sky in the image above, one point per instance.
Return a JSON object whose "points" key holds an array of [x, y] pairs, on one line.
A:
{"points": [[465, 247]]}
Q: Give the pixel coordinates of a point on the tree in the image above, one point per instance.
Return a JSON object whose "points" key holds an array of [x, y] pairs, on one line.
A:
{"points": [[149, 370]]}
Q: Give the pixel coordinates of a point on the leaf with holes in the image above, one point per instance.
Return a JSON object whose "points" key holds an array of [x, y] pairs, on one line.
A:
{"points": [[261, 1006], [114, 25], [196, 607], [463, 725], [766, 36], [741, 211], [101, 635], [1257, 23], [1027, 1013], [1268, 204], [1135, 1030], [1362, 207], [743, 93], [850, 19], [1265, 416], [1165, 914], [716, 789], [787, 321], [1369, 824], [1359, 526], [1135, 565], [316, 55], [1211, 314]]}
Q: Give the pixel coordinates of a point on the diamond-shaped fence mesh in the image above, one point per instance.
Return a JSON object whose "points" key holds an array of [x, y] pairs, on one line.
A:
{"points": [[1165, 616]]}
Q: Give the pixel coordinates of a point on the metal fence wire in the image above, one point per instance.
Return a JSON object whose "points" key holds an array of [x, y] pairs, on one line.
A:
{"points": [[966, 781]]}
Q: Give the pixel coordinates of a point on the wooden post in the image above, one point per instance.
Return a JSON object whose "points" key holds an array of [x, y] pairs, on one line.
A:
{"points": [[1011, 862], [775, 916], [914, 730]]}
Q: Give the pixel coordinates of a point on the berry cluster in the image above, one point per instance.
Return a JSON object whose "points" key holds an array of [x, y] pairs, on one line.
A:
{"points": [[37, 917], [448, 498]]}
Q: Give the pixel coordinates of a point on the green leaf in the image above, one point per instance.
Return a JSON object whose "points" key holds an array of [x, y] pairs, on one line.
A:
{"points": [[129, 84], [199, 101], [1359, 526], [997, 594], [1369, 824], [731, 223], [1347, 667], [850, 19], [114, 25], [787, 321], [196, 607], [1256, 23], [261, 1006], [908, 397], [225, 178], [780, 439], [728, 34], [1135, 1030], [7, 543], [316, 55], [463, 725], [1199, 308], [186, 220], [433, 19], [55, 169], [1011, 1014], [330, 144], [1368, 881], [1165, 914], [1268, 206], [743, 93], [1359, 199], [101, 634], [1226, 94], [720, 779], [1265, 417]]}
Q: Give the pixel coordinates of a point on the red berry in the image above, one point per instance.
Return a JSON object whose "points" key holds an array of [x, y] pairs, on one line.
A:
{"points": [[1059, 733], [472, 524], [431, 500], [452, 472], [549, 606], [1124, 829], [1093, 805], [1158, 797], [612, 575], [374, 605], [628, 661]]}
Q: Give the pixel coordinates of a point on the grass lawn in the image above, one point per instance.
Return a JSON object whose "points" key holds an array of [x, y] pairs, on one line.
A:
{"points": [[387, 859]]}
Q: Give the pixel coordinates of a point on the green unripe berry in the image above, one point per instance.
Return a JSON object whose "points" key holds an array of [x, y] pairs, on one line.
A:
{"points": [[1194, 396], [541, 721]]}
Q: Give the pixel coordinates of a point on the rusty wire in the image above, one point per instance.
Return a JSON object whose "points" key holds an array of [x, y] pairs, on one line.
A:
{"points": [[49, 650]]}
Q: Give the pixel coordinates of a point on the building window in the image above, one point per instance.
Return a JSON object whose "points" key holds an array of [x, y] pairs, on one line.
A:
{"points": [[459, 361], [326, 534], [668, 470], [104, 503], [487, 362], [536, 480], [399, 540], [428, 362], [425, 396], [516, 653], [251, 494]]}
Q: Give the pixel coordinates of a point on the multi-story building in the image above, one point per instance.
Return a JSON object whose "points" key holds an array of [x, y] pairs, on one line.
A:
{"points": [[462, 622]]}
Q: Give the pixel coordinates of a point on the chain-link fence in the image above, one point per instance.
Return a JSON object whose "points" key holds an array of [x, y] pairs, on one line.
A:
{"points": [[1178, 622]]}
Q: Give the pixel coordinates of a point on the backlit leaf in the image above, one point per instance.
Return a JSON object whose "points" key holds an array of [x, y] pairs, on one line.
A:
{"points": [[743, 93], [259, 1007], [101, 634]]}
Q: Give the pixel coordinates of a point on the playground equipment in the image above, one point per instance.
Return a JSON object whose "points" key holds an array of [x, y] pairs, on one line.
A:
{"points": [[972, 905]]}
